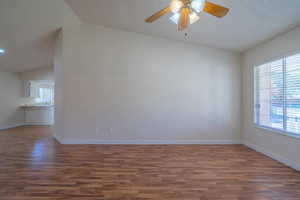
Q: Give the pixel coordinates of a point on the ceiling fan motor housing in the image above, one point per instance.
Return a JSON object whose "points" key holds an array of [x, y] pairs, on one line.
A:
{"points": [[186, 2]]}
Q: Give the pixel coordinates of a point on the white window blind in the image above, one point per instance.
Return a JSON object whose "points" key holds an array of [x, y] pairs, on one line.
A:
{"points": [[44, 92], [46, 96], [277, 95]]}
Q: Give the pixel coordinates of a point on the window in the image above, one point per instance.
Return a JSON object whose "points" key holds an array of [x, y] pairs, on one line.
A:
{"points": [[46, 96], [277, 95], [42, 92]]}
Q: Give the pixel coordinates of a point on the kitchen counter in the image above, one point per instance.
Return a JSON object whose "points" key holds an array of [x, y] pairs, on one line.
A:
{"points": [[36, 106], [39, 114]]}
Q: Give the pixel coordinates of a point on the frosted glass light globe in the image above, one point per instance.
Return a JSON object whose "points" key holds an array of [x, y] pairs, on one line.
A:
{"points": [[175, 18], [194, 17], [198, 5], [176, 5]]}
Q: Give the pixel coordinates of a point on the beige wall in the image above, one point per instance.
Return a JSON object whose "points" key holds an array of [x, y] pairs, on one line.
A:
{"points": [[131, 88], [45, 73], [283, 148], [10, 99]]}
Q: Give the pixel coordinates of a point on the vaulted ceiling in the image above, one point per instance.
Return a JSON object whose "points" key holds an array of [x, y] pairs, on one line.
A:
{"points": [[248, 22], [27, 32], [28, 27]]}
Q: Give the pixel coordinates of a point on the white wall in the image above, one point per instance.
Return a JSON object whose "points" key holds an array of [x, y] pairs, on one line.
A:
{"points": [[59, 84], [283, 148], [10, 99], [44, 73], [131, 88]]}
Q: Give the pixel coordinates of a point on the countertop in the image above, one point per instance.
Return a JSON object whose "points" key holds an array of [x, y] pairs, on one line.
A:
{"points": [[37, 106]]}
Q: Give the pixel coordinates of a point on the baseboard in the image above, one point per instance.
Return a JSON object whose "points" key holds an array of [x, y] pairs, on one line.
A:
{"points": [[38, 124], [146, 142], [24, 124], [11, 126], [58, 139], [274, 156]]}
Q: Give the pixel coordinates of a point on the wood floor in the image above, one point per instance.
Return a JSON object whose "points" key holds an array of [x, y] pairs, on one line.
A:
{"points": [[33, 166]]}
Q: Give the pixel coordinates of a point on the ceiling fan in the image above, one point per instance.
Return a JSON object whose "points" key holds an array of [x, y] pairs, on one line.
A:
{"points": [[185, 12]]}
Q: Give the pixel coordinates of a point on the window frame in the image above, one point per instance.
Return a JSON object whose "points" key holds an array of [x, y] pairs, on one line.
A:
{"points": [[254, 102]]}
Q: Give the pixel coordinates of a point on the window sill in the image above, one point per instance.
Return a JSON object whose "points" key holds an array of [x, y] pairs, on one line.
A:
{"points": [[277, 131]]}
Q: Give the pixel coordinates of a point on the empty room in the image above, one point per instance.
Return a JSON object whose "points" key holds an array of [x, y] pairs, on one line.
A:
{"points": [[149, 100]]}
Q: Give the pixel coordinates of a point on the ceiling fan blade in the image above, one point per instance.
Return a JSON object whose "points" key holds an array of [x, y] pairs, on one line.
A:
{"points": [[184, 19], [158, 14], [215, 10]]}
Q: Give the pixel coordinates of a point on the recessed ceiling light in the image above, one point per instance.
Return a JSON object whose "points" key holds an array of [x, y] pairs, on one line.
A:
{"points": [[2, 51]]}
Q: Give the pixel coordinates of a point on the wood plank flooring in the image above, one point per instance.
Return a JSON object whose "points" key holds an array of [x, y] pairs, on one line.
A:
{"points": [[33, 166]]}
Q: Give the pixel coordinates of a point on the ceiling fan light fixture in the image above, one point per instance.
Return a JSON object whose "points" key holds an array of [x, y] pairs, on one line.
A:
{"points": [[185, 12], [194, 17], [176, 5], [175, 18], [198, 5]]}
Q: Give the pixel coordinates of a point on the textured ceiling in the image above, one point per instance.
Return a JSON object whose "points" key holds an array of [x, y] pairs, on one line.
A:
{"points": [[27, 31], [248, 22]]}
